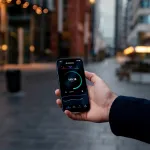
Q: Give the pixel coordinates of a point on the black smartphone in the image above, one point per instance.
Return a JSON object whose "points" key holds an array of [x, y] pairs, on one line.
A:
{"points": [[74, 92]]}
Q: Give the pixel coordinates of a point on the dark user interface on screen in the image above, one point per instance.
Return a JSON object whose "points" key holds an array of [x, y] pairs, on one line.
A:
{"points": [[73, 87]]}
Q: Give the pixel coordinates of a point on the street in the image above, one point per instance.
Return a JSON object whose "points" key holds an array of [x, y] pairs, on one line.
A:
{"points": [[34, 122]]}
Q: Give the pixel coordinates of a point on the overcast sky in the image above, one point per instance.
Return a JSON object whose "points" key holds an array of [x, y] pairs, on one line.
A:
{"points": [[107, 23], [107, 17]]}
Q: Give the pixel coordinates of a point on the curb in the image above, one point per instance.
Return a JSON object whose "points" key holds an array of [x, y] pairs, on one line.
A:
{"points": [[29, 73]]}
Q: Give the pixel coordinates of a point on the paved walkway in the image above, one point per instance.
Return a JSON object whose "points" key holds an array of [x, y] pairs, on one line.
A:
{"points": [[32, 67], [34, 122]]}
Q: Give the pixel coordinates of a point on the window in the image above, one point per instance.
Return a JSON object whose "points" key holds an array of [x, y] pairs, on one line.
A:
{"points": [[145, 3], [65, 4], [51, 4], [144, 19]]}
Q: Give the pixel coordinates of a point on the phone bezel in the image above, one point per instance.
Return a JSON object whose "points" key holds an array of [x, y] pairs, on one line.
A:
{"points": [[75, 110]]}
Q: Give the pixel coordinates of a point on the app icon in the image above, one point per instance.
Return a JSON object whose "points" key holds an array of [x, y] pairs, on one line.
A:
{"points": [[68, 107], [85, 106]]}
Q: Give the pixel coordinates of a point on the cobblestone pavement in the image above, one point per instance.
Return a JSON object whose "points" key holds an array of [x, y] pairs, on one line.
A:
{"points": [[34, 122]]}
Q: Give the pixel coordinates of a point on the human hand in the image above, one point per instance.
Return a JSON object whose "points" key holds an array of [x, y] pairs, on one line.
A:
{"points": [[101, 99]]}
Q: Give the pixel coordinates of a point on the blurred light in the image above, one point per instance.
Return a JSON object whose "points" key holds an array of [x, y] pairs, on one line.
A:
{"points": [[32, 48], [45, 11], [26, 4], [18, 2], [129, 50], [8, 1], [4, 47], [35, 7], [39, 10], [13, 34], [47, 51], [92, 1], [142, 49]]}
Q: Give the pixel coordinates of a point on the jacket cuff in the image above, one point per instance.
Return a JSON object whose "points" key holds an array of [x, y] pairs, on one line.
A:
{"points": [[120, 115]]}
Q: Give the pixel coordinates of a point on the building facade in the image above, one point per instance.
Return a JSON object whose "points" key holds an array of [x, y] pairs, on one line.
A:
{"points": [[127, 21], [119, 25], [140, 22], [21, 20], [99, 41], [74, 12]]}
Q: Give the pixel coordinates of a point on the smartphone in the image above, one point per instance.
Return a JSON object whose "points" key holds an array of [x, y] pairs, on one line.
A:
{"points": [[73, 87]]}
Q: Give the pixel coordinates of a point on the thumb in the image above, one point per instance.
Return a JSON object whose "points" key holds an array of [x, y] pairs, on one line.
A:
{"points": [[91, 77]]}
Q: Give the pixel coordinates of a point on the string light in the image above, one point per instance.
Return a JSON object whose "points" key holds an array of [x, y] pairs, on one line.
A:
{"points": [[35, 7], [4, 47], [45, 11], [26, 4], [92, 1], [39, 10], [32, 48], [8, 1], [18, 2]]}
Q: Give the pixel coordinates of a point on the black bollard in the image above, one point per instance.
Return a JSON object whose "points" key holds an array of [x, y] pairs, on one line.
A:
{"points": [[13, 81]]}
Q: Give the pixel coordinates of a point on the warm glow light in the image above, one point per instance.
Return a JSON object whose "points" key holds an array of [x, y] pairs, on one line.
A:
{"points": [[92, 1], [35, 7], [45, 11], [8, 1], [129, 50], [32, 48], [142, 49], [18, 2], [26, 4], [39, 10], [4, 47]]}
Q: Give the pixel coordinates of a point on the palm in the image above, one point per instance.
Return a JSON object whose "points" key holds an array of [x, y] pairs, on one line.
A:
{"points": [[100, 97], [92, 114]]}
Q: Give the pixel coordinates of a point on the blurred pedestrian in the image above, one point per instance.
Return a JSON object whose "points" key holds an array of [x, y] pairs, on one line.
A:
{"points": [[127, 116]]}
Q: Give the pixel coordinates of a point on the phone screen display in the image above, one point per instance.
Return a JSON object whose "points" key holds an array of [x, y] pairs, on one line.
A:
{"points": [[73, 86]]}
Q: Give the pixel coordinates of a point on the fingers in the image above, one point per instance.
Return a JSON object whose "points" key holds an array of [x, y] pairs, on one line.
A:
{"points": [[59, 103], [57, 92], [79, 117], [91, 77]]}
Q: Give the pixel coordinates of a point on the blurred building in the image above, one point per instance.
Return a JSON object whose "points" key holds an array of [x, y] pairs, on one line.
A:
{"points": [[99, 41], [119, 25], [127, 21], [27, 29], [74, 12], [123, 35], [139, 29]]}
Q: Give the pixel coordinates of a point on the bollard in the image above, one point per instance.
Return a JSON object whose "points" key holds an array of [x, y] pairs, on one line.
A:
{"points": [[13, 81]]}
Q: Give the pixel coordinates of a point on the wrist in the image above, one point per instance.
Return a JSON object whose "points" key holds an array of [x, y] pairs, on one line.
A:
{"points": [[111, 99]]}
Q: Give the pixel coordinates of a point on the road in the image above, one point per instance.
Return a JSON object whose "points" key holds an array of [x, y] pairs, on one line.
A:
{"points": [[34, 122]]}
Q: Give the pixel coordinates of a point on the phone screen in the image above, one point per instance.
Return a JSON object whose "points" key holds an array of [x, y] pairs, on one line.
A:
{"points": [[73, 86]]}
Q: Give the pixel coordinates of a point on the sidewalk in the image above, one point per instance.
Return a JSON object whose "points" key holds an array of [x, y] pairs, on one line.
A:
{"points": [[32, 67], [29, 70]]}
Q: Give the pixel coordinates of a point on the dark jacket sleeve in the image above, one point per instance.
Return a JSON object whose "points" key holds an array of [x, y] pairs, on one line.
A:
{"points": [[130, 117]]}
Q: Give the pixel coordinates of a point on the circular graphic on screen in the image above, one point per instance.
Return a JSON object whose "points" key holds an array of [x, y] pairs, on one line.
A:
{"points": [[73, 80]]}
